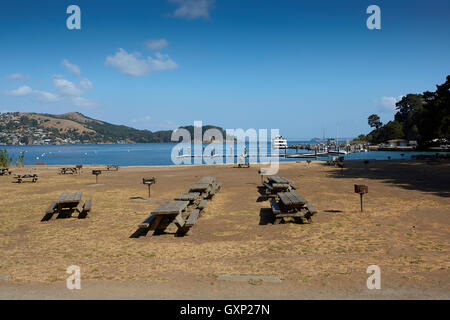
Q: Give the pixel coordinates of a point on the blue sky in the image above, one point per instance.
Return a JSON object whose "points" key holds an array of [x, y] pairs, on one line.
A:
{"points": [[296, 65]]}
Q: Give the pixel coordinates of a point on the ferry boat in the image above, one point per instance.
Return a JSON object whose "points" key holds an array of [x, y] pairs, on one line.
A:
{"points": [[279, 143]]}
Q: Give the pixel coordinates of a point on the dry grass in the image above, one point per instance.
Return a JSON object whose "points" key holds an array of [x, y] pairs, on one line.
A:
{"points": [[333, 251]]}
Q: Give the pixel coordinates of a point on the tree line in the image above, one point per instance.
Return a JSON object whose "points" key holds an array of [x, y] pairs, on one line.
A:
{"points": [[424, 118]]}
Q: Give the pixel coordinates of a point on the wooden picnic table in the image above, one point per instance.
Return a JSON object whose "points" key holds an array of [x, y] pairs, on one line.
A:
{"points": [[207, 186], [68, 170], [112, 167], [181, 213], [292, 205], [21, 177], [66, 203], [4, 171], [276, 184], [291, 200], [162, 217]]}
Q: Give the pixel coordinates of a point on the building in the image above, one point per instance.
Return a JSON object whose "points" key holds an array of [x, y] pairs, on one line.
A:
{"points": [[398, 143]]}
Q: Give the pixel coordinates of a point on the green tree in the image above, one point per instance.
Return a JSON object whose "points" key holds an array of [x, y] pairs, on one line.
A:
{"points": [[5, 159], [410, 114], [435, 122], [374, 121]]}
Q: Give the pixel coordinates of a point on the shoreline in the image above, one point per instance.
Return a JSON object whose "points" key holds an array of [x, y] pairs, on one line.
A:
{"points": [[256, 164]]}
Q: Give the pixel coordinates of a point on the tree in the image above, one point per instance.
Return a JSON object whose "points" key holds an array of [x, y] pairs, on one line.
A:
{"points": [[410, 114], [374, 121], [435, 122]]}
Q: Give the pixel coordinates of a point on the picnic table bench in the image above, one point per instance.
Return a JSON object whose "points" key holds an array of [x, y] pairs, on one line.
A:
{"points": [[68, 170], [291, 204], [4, 171], [32, 177], [66, 204]]}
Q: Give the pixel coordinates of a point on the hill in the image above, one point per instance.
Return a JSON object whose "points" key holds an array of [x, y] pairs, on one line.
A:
{"points": [[72, 128]]}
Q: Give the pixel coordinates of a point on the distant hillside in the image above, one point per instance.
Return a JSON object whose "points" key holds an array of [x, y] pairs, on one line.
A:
{"points": [[72, 128]]}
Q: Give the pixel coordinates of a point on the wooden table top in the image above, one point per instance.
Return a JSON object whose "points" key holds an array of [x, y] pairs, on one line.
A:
{"points": [[277, 179], [291, 199], [208, 180], [200, 186], [69, 197], [171, 207], [188, 196]]}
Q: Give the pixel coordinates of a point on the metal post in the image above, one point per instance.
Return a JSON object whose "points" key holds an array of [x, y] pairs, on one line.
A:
{"points": [[149, 191], [361, 195]]}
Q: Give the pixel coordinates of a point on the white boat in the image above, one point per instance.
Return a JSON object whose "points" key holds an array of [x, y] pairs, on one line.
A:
{"points": [[279, 143], [337, 152]]}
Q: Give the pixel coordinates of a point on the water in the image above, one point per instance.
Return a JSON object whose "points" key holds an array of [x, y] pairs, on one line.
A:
{"points": [[154, 154]]}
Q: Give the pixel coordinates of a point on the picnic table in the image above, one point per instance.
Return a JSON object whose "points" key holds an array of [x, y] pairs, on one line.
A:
{"points": [[171, 212], [293, 205], [276, 184], [4, 171], [112, 167], [207, 186], [337, 161], [33, 177], [68, 170], [66, 204], [181, 213]]}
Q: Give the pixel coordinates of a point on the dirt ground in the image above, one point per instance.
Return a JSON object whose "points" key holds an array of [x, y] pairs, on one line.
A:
{"points": [[404, 229]]}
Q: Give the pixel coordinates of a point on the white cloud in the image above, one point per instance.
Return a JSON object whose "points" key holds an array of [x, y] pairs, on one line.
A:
{"points": [[86, 84], [21, 91], [18, 76], [157, 44], [41, 95], [133, 65], [68, 92], [66, 87], [387, 104], [82, 102], [45, 96], [71, 67], [192, 9]]}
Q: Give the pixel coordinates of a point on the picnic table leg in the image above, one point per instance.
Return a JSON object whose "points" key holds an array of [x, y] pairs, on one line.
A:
{"points": [[277, 220], [154, 225]]}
